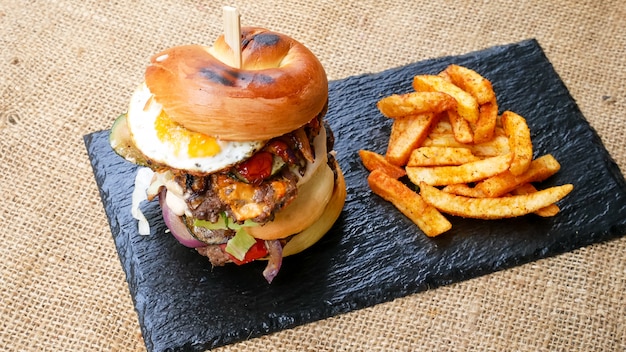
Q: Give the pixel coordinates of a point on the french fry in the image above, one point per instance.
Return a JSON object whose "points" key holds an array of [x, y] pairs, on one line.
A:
{"points": [[427, 218], [460, 128], [442, 126], [498, 131], [497, 146], [373, 161], [472, 82], [548, 211], [463, 189], [539, 170], [467, 106], [484, 128], [440, 156], [406, 134], [468, 161], [517, 131], [443, 74], [492, 208], [444, 139], [414, 103], [469, 172]]}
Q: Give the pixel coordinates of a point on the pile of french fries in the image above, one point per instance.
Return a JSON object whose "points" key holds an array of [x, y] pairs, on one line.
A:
{"points": [[466, 160]]}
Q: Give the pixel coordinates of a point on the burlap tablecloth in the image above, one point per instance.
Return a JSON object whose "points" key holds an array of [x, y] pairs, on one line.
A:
{"points": [[67, 68]]}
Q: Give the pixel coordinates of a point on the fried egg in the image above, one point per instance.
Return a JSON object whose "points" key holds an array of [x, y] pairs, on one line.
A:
{"points": [[166, 142]]}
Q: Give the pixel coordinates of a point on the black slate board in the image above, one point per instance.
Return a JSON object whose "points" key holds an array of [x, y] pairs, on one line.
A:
{"points": [[373, 254]]}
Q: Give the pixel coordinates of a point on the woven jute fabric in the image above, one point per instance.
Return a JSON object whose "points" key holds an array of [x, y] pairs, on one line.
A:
{"points": [[67, 68]]}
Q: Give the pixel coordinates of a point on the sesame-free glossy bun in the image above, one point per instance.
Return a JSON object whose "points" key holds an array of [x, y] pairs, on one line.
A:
{"points": [[280, 87]]}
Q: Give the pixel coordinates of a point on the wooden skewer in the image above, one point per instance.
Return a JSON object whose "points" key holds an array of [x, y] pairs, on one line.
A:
{"points": [[232, 32]]}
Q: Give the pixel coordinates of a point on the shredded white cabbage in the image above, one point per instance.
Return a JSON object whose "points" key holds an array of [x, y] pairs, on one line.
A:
{"points": [[142, 182]]}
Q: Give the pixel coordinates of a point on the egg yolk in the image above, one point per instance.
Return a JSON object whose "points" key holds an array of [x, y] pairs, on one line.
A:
{"points": [[198, 145]]}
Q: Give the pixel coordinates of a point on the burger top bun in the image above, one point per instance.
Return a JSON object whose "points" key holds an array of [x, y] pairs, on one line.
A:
{"points": [[280, 87]]}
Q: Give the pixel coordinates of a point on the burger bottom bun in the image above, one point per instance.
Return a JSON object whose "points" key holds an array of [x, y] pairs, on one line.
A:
{"points": [[324, 223]]}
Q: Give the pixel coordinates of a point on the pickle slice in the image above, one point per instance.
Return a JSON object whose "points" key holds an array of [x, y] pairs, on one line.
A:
{"points": [[122, 143]]}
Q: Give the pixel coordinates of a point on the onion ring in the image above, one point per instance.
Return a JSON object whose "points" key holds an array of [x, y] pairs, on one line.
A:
{"points": [[176, 225]]}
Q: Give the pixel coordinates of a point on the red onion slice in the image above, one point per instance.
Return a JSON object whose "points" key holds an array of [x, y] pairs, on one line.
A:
{"points": [[176, 225], [274, 260]]}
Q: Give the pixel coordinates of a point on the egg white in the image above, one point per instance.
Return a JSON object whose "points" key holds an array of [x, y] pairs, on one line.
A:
{"points": [[142, 114]]}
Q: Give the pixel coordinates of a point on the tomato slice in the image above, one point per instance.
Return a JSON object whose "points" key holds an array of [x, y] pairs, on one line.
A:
{"points": [[257, 168], [257, 251]]}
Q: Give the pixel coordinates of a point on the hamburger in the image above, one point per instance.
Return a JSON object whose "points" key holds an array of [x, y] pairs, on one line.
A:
{"points": [[241, 160]]}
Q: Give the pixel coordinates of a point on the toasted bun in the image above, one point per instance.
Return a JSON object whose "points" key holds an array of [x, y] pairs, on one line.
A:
{"points": [[280, 86]]}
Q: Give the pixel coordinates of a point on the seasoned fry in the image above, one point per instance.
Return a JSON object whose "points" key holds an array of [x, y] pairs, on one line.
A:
{"points": [[406, 134], [414, 103], [463, 189], [484, 128], [443, 74], [527, 188], [472, 82], [467, 160], [467, 106], [517, 131], [492, 208], [540, 169], [427, 218], [460, 128], [469, 172], [441, 156], [443, 126], [373, 161], [497, 146]]}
